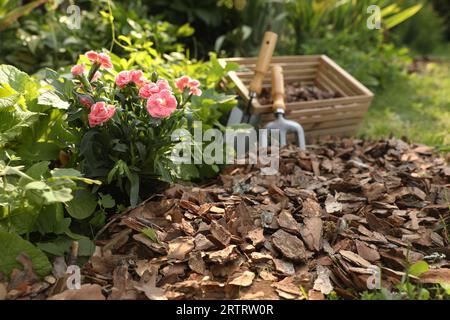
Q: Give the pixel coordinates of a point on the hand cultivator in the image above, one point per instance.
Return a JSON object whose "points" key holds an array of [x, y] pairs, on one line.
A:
{"points": [[279, 107]]}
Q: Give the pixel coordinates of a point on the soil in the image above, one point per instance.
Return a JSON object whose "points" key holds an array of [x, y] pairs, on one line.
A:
{"points": [[297, 92]]}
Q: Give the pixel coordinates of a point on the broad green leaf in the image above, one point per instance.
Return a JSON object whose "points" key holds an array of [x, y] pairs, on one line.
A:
{"points": [[19, 81], [50, 98], [51, 220], [38, 170], [57, 247], [13, 121], [83, 204], [8, 96], [12, 245], [418, 268]]}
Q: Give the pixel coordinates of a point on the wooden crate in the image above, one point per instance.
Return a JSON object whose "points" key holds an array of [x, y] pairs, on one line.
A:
{"points": [[337, 116]]}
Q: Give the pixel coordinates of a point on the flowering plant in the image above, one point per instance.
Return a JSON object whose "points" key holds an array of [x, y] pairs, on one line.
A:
{"points": [[125, 121]]}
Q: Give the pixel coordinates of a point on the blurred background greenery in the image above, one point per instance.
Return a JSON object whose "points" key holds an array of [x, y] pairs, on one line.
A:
{"points": [[406, 62]]}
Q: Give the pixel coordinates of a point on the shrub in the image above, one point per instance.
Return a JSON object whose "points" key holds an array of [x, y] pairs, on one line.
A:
{"points": [[126, 121]]}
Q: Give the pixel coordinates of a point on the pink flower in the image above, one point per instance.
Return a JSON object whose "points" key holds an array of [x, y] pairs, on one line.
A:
{"points": [[102, 59], [96, 76], [78, 69], [85, 101], [100, 113], [182, 82], [137, 76], [105, 60], [151, 88], [192, 84], [92, 56], [196, 91], [123, 78], [162, 104]]}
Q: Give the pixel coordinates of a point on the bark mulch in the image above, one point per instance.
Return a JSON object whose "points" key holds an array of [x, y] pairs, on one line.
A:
{"points": [[333, 216]]}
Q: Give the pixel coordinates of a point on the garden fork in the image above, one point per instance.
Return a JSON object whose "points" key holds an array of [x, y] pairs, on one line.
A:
{"points": [[279, 107]]}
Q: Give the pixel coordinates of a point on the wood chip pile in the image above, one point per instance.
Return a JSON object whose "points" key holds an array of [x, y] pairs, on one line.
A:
{"points": [[333, 217]]}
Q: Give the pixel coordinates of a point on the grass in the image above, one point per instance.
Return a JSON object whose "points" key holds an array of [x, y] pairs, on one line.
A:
{"points": [[417, 108]]}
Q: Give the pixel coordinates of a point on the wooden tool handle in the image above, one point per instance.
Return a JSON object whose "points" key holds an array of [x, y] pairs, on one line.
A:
{"points": [[278, 88], [262, 64]]}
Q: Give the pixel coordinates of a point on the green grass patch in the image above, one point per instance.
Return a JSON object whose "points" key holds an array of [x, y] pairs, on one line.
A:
{"points": [[417, 108]]}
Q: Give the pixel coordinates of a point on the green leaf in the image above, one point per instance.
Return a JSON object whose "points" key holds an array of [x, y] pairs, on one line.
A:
{"points": [[404, 15], [134, 189], [51, 220], [50, 98], [12, 245], [38, 170], [107, 201], [13, 122], [83, 204], [57, 247], [50, 194], [65, 172], [418, 268], [19, 81], [151, 234]]}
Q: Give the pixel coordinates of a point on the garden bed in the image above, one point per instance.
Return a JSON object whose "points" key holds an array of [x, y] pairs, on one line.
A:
{"points": [[315, 230]]}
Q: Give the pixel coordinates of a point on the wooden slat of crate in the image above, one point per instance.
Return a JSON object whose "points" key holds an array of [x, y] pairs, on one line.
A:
{"points": [[342, 76], [277, 59], [319, 104], [327, 119]]}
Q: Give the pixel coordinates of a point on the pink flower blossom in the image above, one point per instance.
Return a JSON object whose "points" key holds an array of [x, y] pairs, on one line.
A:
{"points": [[182, 82], [100, 113], [162, 104], [92, 56], [102, 59], [105, 60], [123, 78], [192, 84], [78, 69], [137, 76], [151, 88], [96, 76], [85, 101], [196, 91]]}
